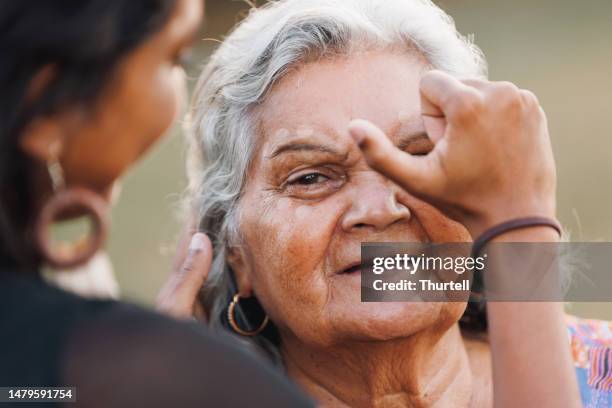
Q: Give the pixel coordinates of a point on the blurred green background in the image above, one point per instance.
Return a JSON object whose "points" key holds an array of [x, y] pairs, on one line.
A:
{"points": [[560, 49]]}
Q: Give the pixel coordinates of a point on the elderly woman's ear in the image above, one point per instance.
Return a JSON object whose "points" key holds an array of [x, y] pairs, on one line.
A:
{"points": [[236, 259]]}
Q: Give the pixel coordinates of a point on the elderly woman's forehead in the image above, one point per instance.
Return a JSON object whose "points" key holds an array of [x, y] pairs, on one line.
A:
{"points": [[323, 97], [408, 122]]}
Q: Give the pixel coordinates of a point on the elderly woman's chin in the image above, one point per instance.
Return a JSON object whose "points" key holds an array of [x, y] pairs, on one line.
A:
{"points": [[381, 321]]}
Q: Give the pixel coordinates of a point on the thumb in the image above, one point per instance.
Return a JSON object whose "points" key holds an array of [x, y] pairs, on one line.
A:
{"points": [[415, 174], [179, 294]]}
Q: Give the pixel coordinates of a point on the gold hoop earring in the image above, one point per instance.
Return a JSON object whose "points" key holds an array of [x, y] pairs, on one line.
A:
{"points": [[234, 324], [64, 203]]}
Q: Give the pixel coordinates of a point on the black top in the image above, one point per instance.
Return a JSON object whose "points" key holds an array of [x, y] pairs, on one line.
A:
{"points": [[119, 355]]}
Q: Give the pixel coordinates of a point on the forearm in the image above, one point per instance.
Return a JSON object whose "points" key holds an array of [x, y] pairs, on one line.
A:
{"points": [[532, 365]]}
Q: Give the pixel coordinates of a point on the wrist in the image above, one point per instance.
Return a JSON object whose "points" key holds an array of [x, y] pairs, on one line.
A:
{"points": [[536, 233], [526, 229], [482, 222]]}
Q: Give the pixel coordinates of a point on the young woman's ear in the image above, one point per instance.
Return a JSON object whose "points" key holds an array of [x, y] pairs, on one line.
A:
{"points": [[43, 139], [236, 259]]}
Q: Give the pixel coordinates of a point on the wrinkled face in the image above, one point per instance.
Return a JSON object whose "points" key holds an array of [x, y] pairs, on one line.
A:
{"points": [[311, 199]]}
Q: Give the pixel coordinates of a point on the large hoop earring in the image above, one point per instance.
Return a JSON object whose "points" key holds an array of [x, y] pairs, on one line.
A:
{"points": [[231, 318], [65, 203]]}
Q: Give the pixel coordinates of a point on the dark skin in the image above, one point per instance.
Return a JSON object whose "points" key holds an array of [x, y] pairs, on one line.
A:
{"points": [[321, 182], [312, 197], [96, 145]]}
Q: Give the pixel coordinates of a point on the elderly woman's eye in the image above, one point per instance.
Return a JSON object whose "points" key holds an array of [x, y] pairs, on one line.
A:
{"points": [[309, 179]]}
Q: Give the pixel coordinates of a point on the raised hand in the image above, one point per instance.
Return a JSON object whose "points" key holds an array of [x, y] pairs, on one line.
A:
{"points": [[492, 159]]}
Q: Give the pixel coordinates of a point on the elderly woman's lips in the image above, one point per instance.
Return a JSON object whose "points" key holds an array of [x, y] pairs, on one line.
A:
{"points": [[356, 266], [351, 269]]}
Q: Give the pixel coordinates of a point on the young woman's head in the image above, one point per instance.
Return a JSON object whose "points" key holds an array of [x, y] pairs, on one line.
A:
{"points": [[89, 83]]}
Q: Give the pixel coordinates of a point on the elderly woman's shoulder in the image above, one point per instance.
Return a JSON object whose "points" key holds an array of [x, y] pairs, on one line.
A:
{"points": [[590, 332], [591, 346]]}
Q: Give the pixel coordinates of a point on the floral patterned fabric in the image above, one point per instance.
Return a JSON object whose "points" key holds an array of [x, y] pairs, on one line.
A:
{"points": [[591, 343]]}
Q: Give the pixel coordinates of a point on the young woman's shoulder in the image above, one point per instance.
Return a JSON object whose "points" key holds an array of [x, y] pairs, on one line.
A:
{"points": [[126, 354], [36, 320]]}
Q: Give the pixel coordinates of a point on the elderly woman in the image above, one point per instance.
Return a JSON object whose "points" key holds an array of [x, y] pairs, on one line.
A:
{"points": [[287, 190]]}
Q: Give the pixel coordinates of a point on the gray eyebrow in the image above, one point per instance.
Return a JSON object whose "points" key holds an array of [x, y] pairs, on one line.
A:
{"points": [[404, 142], [300, 147], [407, 140]]}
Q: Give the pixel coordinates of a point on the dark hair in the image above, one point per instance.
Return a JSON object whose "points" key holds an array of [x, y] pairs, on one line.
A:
{"points": [[82, 41]]}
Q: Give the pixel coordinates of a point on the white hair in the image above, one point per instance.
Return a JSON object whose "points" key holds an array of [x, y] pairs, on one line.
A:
{"points": [[261, 49]]}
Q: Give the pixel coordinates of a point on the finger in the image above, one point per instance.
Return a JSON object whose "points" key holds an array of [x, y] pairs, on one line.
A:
{"points": [[415, 174], [437, 90], [194, 271], [435, 128], [530, 100], [528, 97], [187, 232], [443, 95], [179, 296], [479, 84]]}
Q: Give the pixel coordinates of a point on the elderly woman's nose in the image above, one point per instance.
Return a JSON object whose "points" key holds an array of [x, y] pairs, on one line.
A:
{"points": [[376, 207]]}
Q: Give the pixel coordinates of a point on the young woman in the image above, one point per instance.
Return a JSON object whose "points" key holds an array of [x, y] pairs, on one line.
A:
{"points": [[87, 87]]}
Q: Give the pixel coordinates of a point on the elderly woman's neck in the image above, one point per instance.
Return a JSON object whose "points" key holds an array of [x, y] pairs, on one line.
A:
{"points": [[428, 368]]}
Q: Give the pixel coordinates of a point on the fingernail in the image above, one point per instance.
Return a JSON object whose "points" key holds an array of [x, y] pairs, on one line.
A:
{"points": [[197, 242]]}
